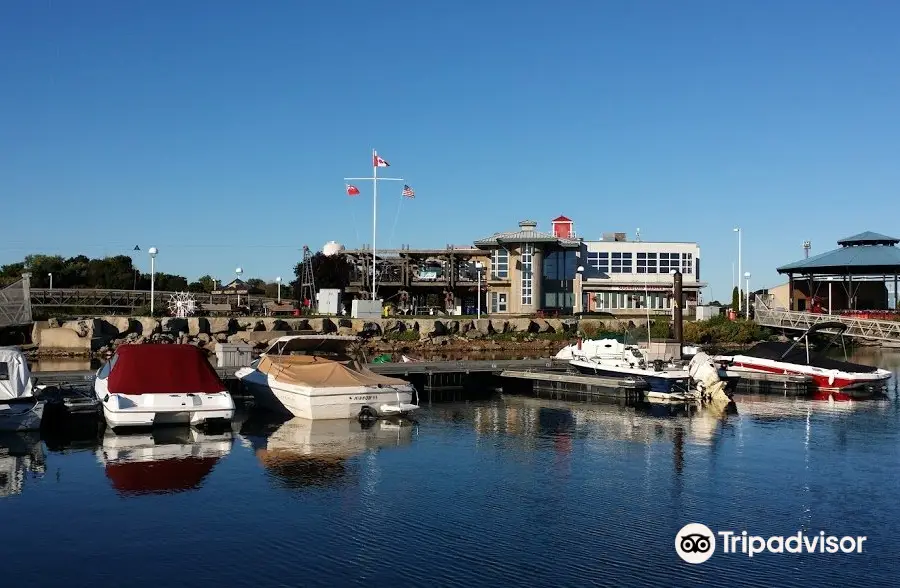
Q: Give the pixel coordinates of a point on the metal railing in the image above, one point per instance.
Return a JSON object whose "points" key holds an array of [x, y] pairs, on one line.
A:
{"points": [[800, 320]]}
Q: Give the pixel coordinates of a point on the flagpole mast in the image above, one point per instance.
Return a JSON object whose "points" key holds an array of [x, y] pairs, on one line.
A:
{"points": [[374, 214], [374, 179]]}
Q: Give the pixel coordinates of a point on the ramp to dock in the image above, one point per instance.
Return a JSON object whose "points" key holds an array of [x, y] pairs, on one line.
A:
{"points": [[800, 321], [15, 303]]}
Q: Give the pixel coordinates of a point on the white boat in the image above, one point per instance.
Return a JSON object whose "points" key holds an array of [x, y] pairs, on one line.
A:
{"points": [[159, 384], [22, 457], [323, 377], [20, 410], [174, 459]]}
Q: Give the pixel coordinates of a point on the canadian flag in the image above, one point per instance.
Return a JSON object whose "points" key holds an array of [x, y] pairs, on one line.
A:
{"points": [[378, 162], [352, 190]]}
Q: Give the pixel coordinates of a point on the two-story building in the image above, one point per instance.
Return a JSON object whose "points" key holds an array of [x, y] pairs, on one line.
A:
{"points": [[627, 277], [532, 271]]}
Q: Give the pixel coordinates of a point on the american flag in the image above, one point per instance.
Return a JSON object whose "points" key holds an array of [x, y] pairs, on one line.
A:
{"points": [[408, 192]]}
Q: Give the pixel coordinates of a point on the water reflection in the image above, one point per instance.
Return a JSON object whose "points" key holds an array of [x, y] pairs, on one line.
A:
{"points": [[21, 454], [162, 461], [299, 453]]}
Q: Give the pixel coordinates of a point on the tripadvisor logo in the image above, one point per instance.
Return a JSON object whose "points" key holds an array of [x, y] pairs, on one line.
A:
{"points": [[695, 543]]}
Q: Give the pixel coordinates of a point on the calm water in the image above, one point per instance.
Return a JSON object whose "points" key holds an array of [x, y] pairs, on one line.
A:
{"points": [[508, 491]]}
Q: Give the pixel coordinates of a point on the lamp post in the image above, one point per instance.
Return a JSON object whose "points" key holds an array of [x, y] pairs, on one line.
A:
{"points": [[152, 251], [578, 303], [830, 280], [134, 287], [238, 271], [674, 303], [747, 310], [738, 231], [478, 266], [50, 275], [278, 281]]}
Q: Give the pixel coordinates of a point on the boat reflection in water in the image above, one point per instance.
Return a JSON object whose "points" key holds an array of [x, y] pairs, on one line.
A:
{"points": [[299, 453], [161, 461], [20, 454]]}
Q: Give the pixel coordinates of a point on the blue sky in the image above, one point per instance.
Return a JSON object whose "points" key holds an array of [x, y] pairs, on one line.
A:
{"points": [[221, 131]]}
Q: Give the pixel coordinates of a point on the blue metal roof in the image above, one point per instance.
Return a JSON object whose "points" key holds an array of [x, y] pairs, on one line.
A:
{"points": [[867, 253], [869, 238]]}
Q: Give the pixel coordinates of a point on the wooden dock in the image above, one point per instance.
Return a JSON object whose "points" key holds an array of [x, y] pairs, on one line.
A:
{"points": [[570, 385]]}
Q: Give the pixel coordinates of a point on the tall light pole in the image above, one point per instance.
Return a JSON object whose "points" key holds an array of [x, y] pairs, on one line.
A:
{"points": [[50, 275], [278, 281], [738, 231], [134, 287], [237, 272], [152, 251], [747, 310], [478, 266]]}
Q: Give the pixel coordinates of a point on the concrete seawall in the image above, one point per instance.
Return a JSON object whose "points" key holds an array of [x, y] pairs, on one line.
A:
{"points": [[90, 335]]}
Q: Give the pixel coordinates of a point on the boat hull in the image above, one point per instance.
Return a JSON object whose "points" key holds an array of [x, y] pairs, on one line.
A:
{"points": [[148, 410], [326, 403], [665, 382], [847, 384], [23, 414]]}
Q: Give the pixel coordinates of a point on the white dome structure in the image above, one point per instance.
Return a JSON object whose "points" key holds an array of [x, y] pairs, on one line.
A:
{"points": [[332, 248]]}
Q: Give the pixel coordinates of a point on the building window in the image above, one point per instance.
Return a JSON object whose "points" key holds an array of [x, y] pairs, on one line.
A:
{"points": [[646, 263], [621, 263], [599, 261], [500, 264], [527, 273], [664, 262], [687, 263], [498, 302]]}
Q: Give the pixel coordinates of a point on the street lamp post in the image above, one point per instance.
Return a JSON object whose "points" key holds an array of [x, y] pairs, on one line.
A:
{"points": [[578, 302], [830, 280], [238, 271], [478, 266], [278, 281], [738, 231], [50, 275], [152, 251], [747, 310]]}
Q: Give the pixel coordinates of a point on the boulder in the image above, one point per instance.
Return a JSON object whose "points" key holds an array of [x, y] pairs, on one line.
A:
{"points": [[36, 329], [518, 325], [483, 326], [64, 338], [371, 328], [174, 325], [393, 326], [346, 331], [218, 325], [197, 325], [452, 327], [276, 324], [119, 326], [541, 326], [88, 328], [146, 326]]}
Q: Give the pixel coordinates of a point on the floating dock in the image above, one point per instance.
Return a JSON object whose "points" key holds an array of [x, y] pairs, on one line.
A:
{"points": [[571, 384]]}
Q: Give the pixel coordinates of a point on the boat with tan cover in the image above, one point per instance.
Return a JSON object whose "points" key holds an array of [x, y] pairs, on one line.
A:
{"points": [[323, 377]]}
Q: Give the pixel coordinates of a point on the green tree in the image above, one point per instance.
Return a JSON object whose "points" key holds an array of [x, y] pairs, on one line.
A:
{"points": [[329, 271], [735, 298], [11, 272]]}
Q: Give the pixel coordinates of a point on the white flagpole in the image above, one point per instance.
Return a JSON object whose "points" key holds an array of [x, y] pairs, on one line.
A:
{"points": [[374, 214], [374, 179]]}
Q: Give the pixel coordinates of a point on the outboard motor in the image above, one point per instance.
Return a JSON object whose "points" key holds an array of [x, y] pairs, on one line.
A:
{"points": [[705, 374]]}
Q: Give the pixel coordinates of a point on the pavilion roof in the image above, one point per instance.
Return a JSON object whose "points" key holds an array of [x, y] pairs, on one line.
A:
{"points": [[867, 253]]}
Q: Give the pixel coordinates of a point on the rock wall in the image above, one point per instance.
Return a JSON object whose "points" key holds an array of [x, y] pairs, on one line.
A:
{"points": [[102, 334]]}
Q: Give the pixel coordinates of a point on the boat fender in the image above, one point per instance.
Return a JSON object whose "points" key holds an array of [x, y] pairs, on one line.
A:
{"points": [[831, 377], [105, 398]]}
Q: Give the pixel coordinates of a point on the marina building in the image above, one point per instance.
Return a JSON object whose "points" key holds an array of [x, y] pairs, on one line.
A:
{"points": [[527, 271]]}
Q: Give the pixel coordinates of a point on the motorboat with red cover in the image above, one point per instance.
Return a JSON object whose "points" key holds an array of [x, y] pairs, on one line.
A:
{"points": [[847, 379], [152, 384]]}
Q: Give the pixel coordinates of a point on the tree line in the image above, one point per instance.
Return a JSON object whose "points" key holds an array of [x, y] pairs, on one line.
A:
{"points": [[118, 272]]}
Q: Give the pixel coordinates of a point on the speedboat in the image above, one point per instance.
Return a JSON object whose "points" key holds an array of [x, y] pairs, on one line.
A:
{"points": [[174, 459], [842, 380], [323, 377], [20, 410], [159, 384], [610, 358]]}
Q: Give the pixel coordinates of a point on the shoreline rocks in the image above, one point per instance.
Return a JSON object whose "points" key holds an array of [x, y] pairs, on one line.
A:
{"points": [[101, 335]]}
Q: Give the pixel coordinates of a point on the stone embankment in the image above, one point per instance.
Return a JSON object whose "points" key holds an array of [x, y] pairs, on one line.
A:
{"points": [[90, 336]]}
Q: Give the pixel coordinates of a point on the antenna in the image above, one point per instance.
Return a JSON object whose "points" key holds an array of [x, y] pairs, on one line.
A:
{"points": [[806, 247], [308, 282]]}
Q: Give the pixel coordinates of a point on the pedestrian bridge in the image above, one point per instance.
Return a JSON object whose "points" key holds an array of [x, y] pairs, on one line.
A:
{"points": [[779, 318], [15, 304]]}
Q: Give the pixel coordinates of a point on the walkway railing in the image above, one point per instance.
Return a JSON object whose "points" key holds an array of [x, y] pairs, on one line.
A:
{"points": [[801, 321], [15, 303]]}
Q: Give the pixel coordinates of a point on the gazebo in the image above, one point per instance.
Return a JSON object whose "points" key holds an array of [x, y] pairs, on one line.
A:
{"points": [[860, 268]]}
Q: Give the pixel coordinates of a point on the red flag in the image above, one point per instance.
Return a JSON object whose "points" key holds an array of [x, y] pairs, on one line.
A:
{"points": [[352, 190], [378, 162]]}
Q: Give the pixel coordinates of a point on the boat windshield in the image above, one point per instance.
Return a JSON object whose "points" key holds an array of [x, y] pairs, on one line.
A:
{"points": [[334, 349], [107, 367]]}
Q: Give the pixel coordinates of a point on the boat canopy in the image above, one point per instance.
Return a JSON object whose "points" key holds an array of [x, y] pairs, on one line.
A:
{"points": [[309, 370], [162, 369], [312, 344], [827, 326], [15, 378]]}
